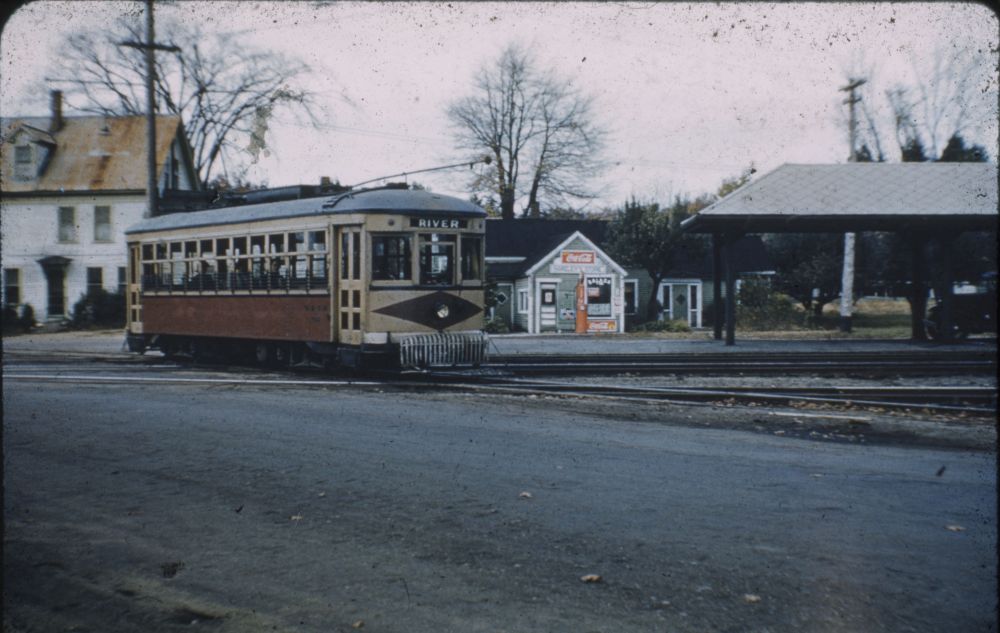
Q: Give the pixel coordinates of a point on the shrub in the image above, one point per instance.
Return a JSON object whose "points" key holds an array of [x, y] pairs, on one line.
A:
{"points": [[496, 325], [14, 323], [755, 293], [676, 325], [777, 312], [99, 308], [28, 318], [11, 320]]}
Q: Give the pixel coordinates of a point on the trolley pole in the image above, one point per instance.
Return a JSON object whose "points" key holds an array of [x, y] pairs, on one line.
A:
{"points": [[149, 47], [847, 275]]}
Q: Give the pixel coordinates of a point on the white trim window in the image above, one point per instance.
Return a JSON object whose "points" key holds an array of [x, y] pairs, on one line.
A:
{"points": [[102, 224], [522, 301], [67, 225], [12, 286]]}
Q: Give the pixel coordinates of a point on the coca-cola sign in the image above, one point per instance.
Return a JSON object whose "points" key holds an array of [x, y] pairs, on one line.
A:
{"points": [[578, 257]]}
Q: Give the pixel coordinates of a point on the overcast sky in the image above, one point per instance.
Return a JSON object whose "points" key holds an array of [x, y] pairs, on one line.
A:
{"points": [[691, 93]]}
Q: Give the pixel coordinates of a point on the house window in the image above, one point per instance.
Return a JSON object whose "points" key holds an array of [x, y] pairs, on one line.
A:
{"points": [[631, 296], [175, 170], [121, 280], [522, 301], [95, 280], [12, 286], [67, 224], [22, 162], [102, 224]]}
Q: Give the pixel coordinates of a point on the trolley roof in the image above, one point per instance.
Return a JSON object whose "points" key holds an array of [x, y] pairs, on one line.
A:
{"points": [[404, 201]]}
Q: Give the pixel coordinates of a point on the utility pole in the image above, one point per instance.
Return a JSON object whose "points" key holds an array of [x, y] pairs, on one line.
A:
{"points": [[847, 276], [149, 47]]}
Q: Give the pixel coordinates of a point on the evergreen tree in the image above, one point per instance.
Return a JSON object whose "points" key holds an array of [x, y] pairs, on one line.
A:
{"points": [[913, 151], [956, 152]]}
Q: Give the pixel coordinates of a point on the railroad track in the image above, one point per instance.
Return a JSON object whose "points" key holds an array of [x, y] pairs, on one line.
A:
{"points": [[970, 400], [976, 401], [875, 363]]}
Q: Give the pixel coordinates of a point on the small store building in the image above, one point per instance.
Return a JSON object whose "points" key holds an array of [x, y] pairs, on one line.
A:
{"points": [[553, 280], [554, 276]]}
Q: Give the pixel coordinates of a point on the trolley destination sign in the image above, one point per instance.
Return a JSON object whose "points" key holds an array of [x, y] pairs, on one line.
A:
{"points": [[437, 223]]}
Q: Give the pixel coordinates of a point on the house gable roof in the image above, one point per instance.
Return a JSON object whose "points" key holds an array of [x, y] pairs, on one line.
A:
{"points": [[33, 133], [91, 153], [532, 239], [576, 235]]}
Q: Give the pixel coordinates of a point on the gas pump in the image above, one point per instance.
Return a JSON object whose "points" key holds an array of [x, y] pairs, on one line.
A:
{"points": [[581, 306]]}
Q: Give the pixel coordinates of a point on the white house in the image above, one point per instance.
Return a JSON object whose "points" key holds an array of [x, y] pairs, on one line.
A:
{"points": [[70, 186]]}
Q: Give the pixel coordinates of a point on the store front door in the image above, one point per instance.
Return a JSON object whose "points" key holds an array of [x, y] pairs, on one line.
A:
{"points": [[547, 308]]}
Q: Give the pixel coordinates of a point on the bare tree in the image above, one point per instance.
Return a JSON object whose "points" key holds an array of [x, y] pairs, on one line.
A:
{"points": [[948, 101], [951, 96], [225, 91], [533, 120], [568, 148]]}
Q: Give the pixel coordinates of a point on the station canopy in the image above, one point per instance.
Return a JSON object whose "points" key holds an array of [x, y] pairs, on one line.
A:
{"points": [[852, 197]]}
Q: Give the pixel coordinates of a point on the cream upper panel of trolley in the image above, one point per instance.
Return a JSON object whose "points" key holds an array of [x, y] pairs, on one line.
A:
{"points": [[348, 208]]}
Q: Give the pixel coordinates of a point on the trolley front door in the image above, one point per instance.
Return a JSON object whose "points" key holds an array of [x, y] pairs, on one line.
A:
{"points": [[133, 288], [349, 285]]}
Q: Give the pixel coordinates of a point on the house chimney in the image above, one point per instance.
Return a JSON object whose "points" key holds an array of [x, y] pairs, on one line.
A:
{"points": [[56, 123]]}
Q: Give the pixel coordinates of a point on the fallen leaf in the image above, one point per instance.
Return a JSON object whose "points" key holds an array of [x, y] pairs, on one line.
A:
{"points": [[590, 578], [525, 495], [954, 528], [751, 598], [296, 517], [360, 624], [322, 494]]}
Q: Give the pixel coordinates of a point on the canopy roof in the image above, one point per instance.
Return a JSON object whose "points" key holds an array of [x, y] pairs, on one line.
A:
{"points": [[858, 197]]}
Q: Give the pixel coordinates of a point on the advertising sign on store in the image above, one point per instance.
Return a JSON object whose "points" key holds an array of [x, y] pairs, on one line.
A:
{"points": [[602, 326], [576, 262], [577, 257]]}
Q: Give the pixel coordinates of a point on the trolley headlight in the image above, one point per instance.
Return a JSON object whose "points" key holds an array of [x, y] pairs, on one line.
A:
{"points": [[442, 311]]}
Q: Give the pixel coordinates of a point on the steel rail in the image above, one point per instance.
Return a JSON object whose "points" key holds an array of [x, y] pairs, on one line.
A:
{"points": [[885, 398], [973, 361]]}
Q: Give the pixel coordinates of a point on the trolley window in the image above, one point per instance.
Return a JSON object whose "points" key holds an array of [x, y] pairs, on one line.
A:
{"points": [[317, 244], [391, 257], [472, 249], [437, 259], [345, 251]]}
